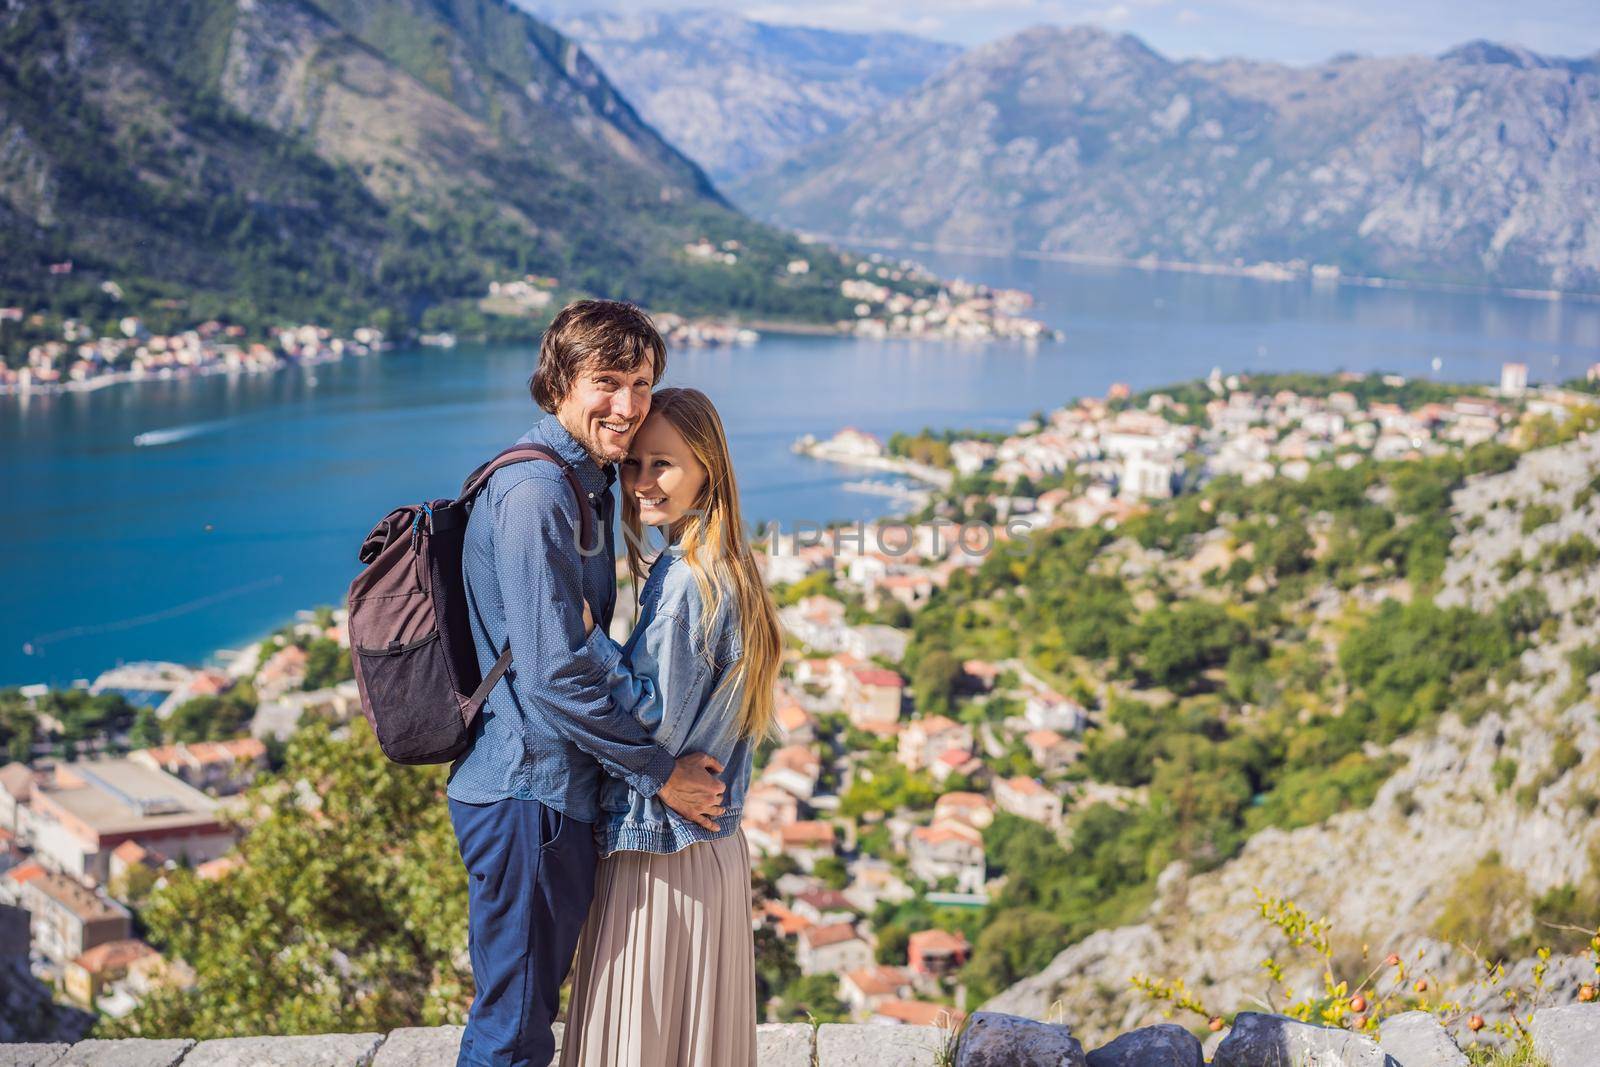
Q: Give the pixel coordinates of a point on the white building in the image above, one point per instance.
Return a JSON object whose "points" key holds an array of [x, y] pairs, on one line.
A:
{"points": [[834, 949], [90, 807], [948, 850]]}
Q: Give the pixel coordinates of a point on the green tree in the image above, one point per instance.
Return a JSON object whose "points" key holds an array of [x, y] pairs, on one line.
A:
{"points": [[348, 912], [832, 871], [327, 664], [1017, 944], [813, 996], [209, 718], [934, 682], [146, 731]]}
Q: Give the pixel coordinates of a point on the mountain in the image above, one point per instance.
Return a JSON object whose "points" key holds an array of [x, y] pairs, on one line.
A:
{"points": [[345, 159], [1479, 166], [736, 94]]}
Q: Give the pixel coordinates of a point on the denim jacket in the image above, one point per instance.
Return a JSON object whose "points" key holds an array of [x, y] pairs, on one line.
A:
{"points": [[675, 690]]}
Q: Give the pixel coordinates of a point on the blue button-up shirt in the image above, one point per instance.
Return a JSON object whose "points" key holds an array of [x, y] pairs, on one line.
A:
{"points": [[550, 724]]}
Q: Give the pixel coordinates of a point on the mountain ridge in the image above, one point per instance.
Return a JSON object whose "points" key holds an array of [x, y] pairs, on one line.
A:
{"points": [[1478, 168], [349, 162], [736, 93]]}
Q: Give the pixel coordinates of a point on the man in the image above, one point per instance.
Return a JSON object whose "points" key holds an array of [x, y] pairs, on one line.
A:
{"points": [[523, 797]]}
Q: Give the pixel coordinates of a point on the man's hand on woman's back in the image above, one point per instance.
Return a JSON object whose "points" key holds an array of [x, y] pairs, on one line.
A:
{"points": [[694, 791]]}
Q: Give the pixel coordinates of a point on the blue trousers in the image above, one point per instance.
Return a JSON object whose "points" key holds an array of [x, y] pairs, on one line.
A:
{"points": [[530, 878]]}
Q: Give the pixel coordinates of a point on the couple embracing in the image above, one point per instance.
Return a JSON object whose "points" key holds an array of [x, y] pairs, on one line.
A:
{"points": [[598, 807]]}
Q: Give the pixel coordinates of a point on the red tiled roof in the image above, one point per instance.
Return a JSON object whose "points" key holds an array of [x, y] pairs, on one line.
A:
{"points": [[113, 955], [130, 852], [26, 872], [920, 1013], [826, 900], [937, 942], [878, 981], [832, 934], [792, 717], [807, 833]]}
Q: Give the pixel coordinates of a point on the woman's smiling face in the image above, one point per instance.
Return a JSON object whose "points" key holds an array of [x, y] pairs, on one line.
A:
{"points": [[661, 473]]}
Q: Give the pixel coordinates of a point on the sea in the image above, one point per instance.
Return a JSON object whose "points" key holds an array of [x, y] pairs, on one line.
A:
{"points": [[166, 520]]}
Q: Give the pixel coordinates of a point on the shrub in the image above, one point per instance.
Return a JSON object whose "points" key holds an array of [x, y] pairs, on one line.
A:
{"points": [[1505, 773], [1488, 910], [1538, 515]]}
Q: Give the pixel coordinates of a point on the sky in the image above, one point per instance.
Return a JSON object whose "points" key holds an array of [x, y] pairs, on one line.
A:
{"points": [[1292, 31]]}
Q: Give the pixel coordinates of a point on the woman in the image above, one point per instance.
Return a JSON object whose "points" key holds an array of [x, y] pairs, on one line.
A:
{"points": [[665, 972]]}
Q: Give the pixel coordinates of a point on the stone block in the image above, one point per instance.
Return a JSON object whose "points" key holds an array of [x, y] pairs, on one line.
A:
{"points": [[321, 1050], [842, 1045], [994, 1039], [31, 1054], [1568, 1036], [129, 1052], [1162, 1045], [420, 1046], [1260, 1040], [784, 1044], [1415, 1039]]}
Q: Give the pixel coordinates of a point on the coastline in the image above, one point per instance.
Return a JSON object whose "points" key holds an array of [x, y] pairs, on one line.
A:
{"points": [[183, 372], [1274, 272]]}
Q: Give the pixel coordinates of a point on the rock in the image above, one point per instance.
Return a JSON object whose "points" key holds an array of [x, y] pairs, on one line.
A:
{"points": [[31, 1054], [1163, 1045], [1415, 1039], [993, 1039], [784, 1044], [130, 1052], [842, 1045], [1567, 1036], [323, 1050], [420, 1046], [1259, 1040]]}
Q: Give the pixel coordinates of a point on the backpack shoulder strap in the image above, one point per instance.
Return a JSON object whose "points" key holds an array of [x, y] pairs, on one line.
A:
{"points": [[522, 454]]}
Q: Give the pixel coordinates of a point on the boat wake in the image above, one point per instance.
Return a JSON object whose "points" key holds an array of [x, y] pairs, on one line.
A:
{"points": [[174, 434]]}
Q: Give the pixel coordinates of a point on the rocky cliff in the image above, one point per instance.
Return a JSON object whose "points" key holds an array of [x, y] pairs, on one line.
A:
{"points": [[1481, 818], [1475, 166]]}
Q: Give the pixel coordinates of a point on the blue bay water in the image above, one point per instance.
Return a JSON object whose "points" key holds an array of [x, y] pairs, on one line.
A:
{"points": [[249, 496]]}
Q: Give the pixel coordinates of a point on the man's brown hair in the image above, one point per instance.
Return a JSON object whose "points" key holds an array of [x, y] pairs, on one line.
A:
{"points": [[593, 334]]}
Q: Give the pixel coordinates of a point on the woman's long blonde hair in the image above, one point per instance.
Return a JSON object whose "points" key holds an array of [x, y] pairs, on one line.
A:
{"points": [[712, 542]]}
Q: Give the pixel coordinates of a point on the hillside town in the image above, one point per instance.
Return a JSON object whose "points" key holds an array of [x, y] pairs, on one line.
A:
{"points": [[957, 311], [79, 361], [871, 815], [954, 310], [1101, 459]]}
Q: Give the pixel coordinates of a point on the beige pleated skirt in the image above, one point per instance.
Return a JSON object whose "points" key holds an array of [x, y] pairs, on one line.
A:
{"points": [[665, 972]]}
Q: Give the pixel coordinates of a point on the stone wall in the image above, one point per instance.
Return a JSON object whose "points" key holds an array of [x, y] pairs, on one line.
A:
{"points": [[1563, 1036], [789, 1045]]}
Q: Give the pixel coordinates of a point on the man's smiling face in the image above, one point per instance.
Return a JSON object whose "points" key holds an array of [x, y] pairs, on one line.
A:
{"points": [[605, 407]]}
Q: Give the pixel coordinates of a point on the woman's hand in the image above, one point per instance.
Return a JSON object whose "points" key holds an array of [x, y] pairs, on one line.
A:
{"points": [[588, 618]]}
